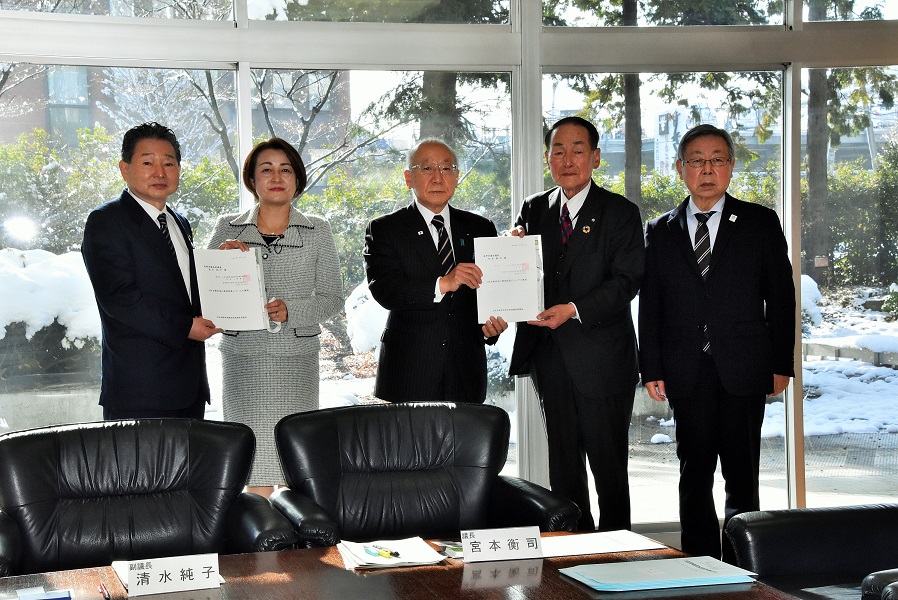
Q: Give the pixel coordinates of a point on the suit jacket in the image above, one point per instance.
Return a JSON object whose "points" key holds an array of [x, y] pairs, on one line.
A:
{"points": [[747, 301], [145, 312], [421, 336], [600, 272]]}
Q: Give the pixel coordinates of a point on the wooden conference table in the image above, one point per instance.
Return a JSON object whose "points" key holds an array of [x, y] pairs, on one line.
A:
{"points": [[318, 574]]}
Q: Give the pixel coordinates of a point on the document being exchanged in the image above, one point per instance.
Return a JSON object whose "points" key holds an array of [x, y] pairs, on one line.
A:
{"points": [[512, 286], [232, 288]]}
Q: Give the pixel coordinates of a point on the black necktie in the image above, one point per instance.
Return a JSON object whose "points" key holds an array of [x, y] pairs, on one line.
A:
{"points": [[444, 248], [163, 225], [703, 243], [567, 226]]}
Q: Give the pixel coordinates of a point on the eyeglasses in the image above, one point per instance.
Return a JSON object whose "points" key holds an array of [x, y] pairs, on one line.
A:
{"points": [[429, 170], [698, 163]]}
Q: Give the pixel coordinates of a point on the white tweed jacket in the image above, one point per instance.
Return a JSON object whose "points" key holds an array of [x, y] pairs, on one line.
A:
{"points": [[302, 269]]}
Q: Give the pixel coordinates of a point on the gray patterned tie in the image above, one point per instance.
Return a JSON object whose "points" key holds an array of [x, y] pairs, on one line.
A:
{"points": [[444, 248], [163, 225]]}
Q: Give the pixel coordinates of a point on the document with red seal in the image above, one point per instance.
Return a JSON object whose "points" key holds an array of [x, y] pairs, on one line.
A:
{"points": [[512, 286], [232, 288]]}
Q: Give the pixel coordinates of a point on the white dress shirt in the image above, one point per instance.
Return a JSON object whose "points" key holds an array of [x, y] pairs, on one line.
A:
{"points": [[177, 238]]}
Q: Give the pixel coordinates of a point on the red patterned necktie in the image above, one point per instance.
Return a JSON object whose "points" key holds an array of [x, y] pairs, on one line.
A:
{"points": [[567, 226]]}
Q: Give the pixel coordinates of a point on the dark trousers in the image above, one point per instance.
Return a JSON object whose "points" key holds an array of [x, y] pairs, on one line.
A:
{"points": [[577, 427], [197, 411], [710, 424]]}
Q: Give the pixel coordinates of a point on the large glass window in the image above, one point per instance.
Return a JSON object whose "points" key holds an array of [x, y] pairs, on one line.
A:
{"points": [[641, 119], [57, 167], [849, 275], [828, 10], [591, 13], [61, 127], [382, 11], [214, 10]]}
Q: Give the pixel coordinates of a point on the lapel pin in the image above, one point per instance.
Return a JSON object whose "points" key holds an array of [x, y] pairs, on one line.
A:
{"points": [[420, 233], [586, 229], [732, 218]]}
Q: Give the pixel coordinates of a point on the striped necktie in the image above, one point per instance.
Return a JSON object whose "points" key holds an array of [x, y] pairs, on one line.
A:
{"points": [[163, 226], [703, 258], [444, 248], [703, 243]]}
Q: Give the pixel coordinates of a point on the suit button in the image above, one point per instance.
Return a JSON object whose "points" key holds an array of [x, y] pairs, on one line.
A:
{"points": [[443, 343]]}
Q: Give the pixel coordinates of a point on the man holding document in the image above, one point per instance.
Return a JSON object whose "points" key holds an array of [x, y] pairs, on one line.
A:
{"points": [[139, 257], [580, 352], [420, 266]]}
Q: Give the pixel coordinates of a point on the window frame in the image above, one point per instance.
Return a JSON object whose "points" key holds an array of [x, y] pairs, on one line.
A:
{"points": [[524, 47]]}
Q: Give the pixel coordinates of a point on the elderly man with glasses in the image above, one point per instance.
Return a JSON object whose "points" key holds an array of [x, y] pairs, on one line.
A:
{"points": [[716, 332], [420, 266]]}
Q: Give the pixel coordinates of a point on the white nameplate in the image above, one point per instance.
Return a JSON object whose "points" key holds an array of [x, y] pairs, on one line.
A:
{"points": [[501, 544], [170, 574]]}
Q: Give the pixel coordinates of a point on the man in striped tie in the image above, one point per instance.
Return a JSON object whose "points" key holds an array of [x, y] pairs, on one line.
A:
{"points": [[716, 332], [139, 257], [420, 266]]}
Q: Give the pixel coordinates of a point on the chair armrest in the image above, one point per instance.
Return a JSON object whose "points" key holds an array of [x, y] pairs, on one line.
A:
{"points": [[255, 526], [875, 584], [890, 592], [313, 524], [10, 545], [832, 543], [516, 502]]}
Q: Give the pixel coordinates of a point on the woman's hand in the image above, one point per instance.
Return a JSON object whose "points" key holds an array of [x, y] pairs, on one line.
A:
{"points": [[277, 310], [233, 245]]}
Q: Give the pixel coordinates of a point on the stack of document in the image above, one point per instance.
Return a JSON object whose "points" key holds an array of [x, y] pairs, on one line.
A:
{"points": [[658, 574], [384, 554]]}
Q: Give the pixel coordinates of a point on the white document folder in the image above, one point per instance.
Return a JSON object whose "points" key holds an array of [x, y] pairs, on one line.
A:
{"points": [[232, 288], [512, 285]]}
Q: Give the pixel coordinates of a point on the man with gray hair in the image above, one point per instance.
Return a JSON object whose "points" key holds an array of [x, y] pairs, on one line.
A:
{"points": [[716, 332], [420, 266]]}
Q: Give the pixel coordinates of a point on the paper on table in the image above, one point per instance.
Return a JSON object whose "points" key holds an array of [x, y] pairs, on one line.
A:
{"points": [[658, 574], [601, 542], [411, 552], [512, 283], [232, 288]]}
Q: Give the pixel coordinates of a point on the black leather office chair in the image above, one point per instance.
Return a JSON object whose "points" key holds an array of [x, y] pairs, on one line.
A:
{"points": [[817, 552], [84, 495], [400, 470]]}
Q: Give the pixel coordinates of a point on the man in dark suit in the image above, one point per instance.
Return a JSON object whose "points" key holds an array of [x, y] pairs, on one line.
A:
{"points": [[139, 257], [420, 266], [716, 331], [581, 352]]}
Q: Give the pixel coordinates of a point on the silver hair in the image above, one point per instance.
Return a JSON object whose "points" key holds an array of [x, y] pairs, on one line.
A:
{"points": [[703, 130]]}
